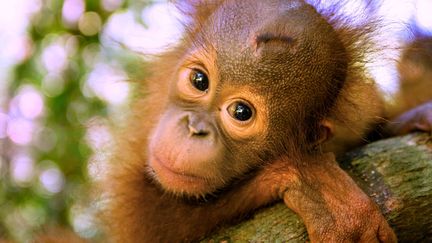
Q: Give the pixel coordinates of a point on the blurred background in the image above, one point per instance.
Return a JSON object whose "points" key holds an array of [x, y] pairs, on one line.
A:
{"points": [[64, 71]]}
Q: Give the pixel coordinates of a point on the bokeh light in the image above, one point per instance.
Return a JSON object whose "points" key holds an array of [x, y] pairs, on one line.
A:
{"points": [[54, 58], [53, 85], [72, 11], [20, 131], [22, 169], [45, 139], [98, 134], [424, 14], [111, 5], [163, 29], [52, 180], [83, 221], [90, 23], [107, 83], [30, 102]]}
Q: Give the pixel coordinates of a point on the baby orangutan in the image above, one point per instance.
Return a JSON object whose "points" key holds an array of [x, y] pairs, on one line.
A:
{"points": [[247, 109]]}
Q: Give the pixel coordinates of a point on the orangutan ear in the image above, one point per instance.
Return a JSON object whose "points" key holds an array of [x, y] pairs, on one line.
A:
{"points": [[326, 132]]}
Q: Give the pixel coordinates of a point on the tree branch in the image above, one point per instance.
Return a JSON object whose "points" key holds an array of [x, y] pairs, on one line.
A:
{"points": [[396, 173]]}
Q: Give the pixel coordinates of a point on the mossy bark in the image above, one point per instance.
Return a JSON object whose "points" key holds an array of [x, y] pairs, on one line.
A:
{"points": [[395, 172]]}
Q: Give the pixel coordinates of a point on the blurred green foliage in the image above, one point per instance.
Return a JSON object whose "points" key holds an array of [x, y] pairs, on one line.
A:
{"points": [[59, 149]]}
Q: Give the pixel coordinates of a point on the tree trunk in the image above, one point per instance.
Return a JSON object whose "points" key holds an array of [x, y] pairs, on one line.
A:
{"points": [[396, 173]]}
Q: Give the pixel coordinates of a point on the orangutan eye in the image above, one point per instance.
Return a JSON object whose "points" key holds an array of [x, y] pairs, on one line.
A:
{"points": [[240, 111], [199, 80]]}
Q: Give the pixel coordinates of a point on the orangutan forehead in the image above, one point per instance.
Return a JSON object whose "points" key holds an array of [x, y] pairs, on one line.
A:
{"points": [[238, 28]]}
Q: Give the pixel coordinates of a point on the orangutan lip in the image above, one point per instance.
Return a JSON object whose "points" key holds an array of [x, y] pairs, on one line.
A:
{"points": [[179, 174]]}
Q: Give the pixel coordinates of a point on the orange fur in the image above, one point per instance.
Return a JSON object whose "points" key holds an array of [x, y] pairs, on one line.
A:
{"points": [[330, 85]]}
